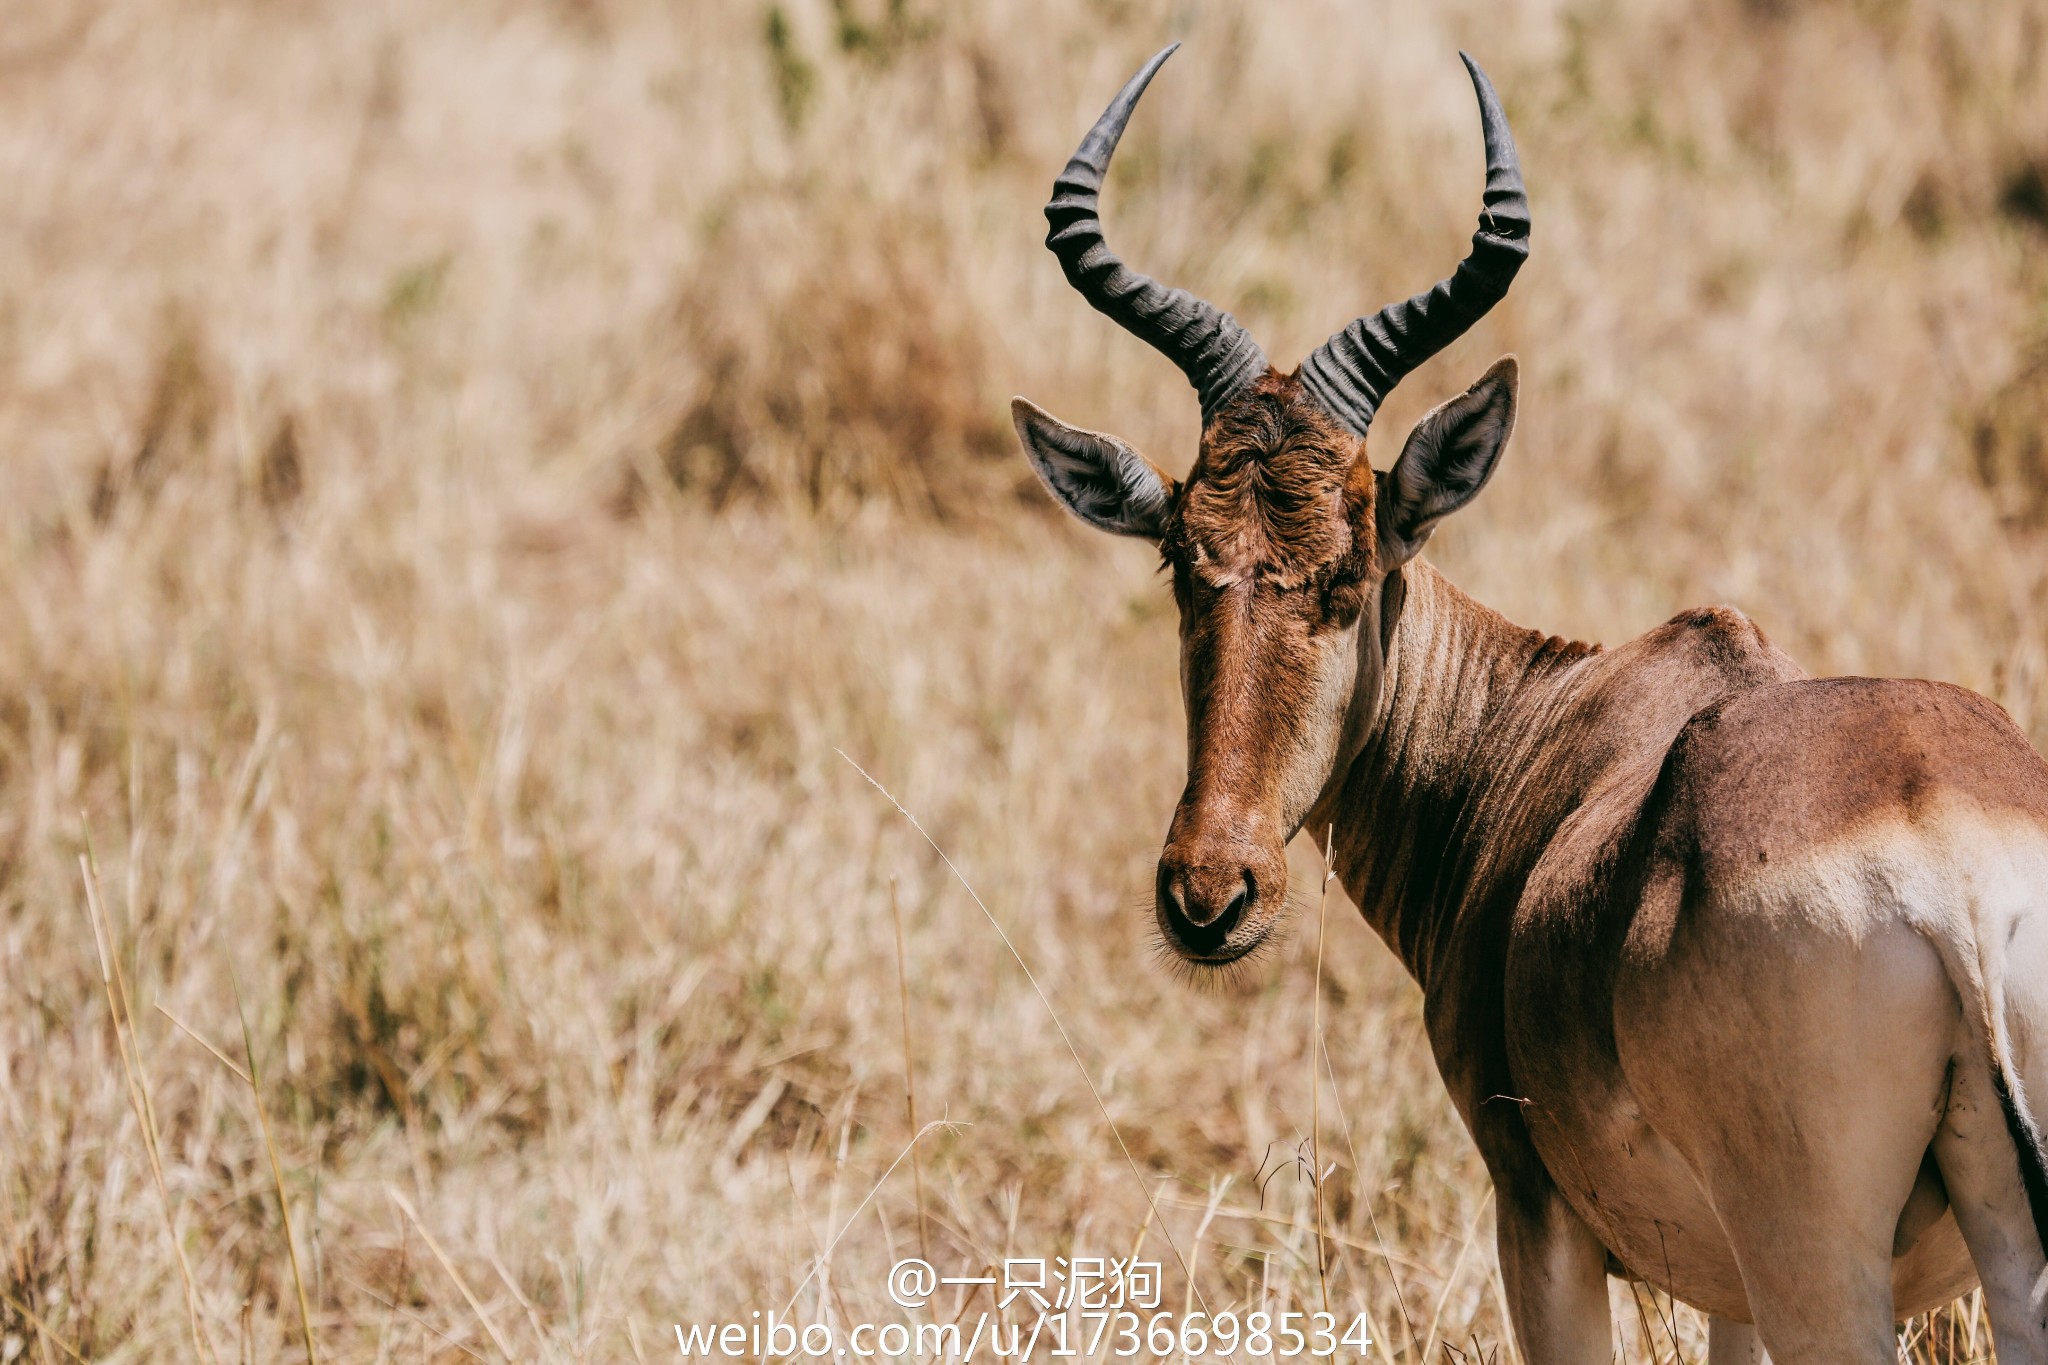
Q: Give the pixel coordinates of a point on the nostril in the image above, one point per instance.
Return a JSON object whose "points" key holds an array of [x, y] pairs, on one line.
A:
{"points": [[1200, 909], [1234, 911], [1170, 895]]}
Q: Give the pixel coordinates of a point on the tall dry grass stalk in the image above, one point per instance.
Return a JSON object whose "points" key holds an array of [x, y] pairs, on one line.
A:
{"points": [[254, 1076], [1051, 1010], [909, 1067], [483, 1316], [121, 1013], [465, 466], [1315, 1060]]}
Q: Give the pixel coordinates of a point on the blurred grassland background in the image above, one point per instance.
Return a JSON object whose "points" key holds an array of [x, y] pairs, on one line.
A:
{"points": [[465, 467]]}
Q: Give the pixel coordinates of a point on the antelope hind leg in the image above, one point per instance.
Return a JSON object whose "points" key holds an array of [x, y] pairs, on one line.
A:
{"points": [[1977, 1149], [1804, 1091]]}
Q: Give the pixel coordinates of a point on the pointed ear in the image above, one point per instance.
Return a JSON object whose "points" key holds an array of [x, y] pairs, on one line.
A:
{"points": [[1096, 476], [1449, 457]]}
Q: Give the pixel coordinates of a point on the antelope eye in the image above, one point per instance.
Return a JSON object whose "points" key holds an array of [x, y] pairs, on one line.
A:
{"points": [[1343, 599]]}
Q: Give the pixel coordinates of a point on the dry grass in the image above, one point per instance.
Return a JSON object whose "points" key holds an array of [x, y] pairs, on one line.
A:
{"points": [[468, 466]]}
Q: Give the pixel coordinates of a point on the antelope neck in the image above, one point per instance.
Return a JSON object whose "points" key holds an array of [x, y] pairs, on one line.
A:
{"points": [[1468, 701]]}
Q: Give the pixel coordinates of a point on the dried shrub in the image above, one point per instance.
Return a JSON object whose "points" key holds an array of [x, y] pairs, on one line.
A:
{"points": [[796, 79], [410, 1028], [281, 477], [2024, 195], [179, 418], [2009, 440], [835, 365]]}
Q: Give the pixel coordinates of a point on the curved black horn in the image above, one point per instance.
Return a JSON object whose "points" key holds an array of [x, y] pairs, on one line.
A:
{"points": [[1352, 372], [1218, 356]]}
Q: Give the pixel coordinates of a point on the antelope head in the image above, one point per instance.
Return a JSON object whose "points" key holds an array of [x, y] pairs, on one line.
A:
{"points": [[1284, 544]]}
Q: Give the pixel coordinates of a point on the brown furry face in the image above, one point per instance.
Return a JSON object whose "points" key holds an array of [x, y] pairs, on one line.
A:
{"points": [[1271, 495], [1270, 544]]}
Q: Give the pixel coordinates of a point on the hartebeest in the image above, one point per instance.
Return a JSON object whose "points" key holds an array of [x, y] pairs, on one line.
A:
{"points": [[1739, 978]]}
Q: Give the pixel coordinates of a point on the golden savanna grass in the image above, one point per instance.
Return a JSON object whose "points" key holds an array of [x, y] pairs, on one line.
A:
{"points": [[468, 466]]}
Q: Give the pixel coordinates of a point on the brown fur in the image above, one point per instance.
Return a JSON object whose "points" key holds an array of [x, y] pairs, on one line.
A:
{"points": [[1583, 855], [1269, 495], [1269, 543]]}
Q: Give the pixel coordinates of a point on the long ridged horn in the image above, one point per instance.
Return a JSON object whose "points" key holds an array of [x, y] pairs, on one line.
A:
{"points": [[1352, 373], [1218, 356]]}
